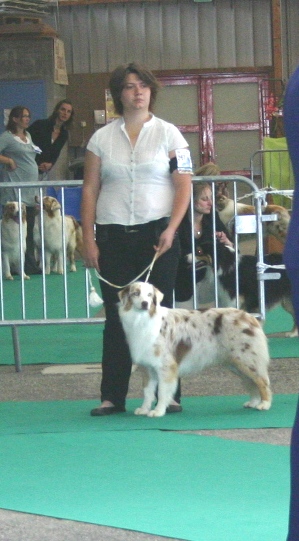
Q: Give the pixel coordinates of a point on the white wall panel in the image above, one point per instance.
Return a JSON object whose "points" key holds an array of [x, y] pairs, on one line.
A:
{"points": [[207, 30], [153, 35], [171, 37], [99, 32], [244, 33], [189, 34], [81, 40], [174, 35], [262, 36], [135, 22], [226, 38]]}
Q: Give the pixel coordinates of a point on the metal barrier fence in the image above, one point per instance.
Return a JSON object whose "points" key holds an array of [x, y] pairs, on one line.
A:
{"points": [[62, 192], [255, 227], [243, 225]]}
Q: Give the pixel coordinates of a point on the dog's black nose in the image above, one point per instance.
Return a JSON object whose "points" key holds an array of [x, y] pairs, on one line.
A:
{"points": [[144, 305]]}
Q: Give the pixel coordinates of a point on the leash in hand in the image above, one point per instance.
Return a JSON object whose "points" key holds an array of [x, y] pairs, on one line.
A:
{"points": [[95, 300]]}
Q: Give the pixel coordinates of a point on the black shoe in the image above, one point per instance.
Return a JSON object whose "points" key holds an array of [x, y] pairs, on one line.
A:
{"points": [[109, 410], [174, 408]]}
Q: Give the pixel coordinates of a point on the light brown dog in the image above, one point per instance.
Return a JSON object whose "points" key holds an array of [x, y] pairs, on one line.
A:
{"points": [[53, 236], [278, 228], [13, 221]]}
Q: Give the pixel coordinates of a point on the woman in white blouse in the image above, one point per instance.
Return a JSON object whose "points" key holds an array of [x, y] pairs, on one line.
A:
{"points": [[17, 155], [137, 195]]}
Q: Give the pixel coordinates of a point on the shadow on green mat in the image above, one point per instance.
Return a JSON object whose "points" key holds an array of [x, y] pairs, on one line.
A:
{"points": [[200, 413]]}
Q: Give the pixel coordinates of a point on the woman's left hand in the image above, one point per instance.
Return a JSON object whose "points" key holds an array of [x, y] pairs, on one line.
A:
{"points": [[165, 241], [44, 167], [221, 236]]}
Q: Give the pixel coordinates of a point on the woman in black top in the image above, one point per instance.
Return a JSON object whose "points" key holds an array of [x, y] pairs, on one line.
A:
{"points": [[51, 134], [203, 237]]}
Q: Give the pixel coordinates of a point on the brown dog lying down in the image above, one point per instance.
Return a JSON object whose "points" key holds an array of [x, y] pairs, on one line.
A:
{"points": [[278, 228]]}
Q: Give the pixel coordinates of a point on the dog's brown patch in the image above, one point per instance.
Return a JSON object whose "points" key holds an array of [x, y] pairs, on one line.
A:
{"points": [[183, 347], [249, 332], [157, 350], [217, 324], [153, 308]]}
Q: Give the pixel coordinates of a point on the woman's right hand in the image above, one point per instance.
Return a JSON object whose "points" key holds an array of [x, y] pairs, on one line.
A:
{"points": [[11, 164], [91, 255]]}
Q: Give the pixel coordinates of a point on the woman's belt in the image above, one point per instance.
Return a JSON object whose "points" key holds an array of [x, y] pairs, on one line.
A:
{"points": [[138, 228]]}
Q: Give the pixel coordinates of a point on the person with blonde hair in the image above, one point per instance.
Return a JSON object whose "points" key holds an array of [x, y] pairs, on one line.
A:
{"points": [[203, 235]]}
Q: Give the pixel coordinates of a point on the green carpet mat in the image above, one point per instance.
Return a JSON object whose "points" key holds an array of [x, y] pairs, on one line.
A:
{"points": [[189, 487], [72, 344], [205, 412]]}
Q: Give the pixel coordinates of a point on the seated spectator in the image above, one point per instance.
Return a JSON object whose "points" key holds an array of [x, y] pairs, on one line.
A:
{"points": [[203, 237]]}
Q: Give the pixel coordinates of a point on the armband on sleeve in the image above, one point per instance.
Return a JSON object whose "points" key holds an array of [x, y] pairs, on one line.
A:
{"points": [[181, 162]]}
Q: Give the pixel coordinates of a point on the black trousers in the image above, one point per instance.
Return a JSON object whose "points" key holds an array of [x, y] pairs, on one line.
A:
{"points": [[124, 254]]}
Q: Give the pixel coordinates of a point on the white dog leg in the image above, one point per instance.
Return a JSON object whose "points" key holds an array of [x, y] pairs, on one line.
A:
{"points": [[149, 393], [6, 267], [167, 385]]}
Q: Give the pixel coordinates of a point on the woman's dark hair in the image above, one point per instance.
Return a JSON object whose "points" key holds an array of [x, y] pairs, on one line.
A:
{"points": [[118, 79], [16, 112], [54, 115]]}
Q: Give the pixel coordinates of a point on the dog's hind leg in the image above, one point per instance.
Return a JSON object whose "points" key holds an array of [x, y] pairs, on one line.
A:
{"points": [[257, 383], [150, 383]]}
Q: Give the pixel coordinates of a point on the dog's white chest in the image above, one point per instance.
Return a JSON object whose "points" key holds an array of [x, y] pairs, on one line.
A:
{"points": [[142, 334]]}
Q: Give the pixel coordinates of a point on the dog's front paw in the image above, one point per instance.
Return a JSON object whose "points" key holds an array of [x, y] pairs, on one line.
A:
{"points": [[9, 277], [26, 277], [264, 405], [258, 404], [141, 411], [156, 413], [291, 334]]}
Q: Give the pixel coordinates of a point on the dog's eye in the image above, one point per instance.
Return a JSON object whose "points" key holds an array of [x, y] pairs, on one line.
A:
{"points": [[136, 294]]}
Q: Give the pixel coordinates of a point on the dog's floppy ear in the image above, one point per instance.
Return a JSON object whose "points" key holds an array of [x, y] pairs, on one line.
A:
{"points": [[124, 293], [158, 295], [124, 296], [8, 208], [55, 205]]}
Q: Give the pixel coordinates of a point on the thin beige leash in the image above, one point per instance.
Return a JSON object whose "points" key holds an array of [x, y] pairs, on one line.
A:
{"points": [[95, 300], [148, 268]]}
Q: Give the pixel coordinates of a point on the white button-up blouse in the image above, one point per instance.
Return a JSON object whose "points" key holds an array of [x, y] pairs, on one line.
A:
{"points": [[136, 184]]}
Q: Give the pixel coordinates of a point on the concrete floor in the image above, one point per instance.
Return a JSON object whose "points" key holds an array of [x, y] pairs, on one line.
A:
{"points": [[73, 382]]}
